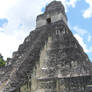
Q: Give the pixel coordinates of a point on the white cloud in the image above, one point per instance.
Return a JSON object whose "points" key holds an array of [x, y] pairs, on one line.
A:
{"points": [[89, 38], [80, 31], [88, 12], [1, 29], [81, 42], [20, 12], [72, 3], [5, 5], [69, 3], [90, 50], [81, 35], [7, 44]]}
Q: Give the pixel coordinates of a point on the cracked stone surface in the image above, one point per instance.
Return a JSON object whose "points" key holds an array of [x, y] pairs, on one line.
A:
{"points": [[49, 60]]}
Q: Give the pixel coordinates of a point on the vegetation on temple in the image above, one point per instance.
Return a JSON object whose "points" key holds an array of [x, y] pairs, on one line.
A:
{"points": [[2, 61]]}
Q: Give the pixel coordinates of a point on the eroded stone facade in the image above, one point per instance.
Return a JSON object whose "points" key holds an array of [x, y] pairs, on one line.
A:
{"points": [[54, 11], [50, 59]]}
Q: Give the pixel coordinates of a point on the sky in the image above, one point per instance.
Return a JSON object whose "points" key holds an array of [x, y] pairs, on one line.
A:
{"points": [[18, 18]]}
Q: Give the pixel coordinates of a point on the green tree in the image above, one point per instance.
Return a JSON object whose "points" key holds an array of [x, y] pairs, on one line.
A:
{"points": [[2, 62]]}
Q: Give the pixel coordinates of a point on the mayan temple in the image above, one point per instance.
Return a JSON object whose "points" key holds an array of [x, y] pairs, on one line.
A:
{"points": [[50, 58]]}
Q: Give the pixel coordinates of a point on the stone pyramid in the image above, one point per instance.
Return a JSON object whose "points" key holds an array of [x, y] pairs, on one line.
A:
{"points": [[49, 60]]}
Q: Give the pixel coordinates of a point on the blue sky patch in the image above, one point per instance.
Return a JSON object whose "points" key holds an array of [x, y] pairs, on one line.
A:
{"points": [[3, 21], [43, 9]]}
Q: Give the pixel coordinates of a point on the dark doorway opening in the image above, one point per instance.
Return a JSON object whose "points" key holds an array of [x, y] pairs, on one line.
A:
{"points": [[48, 20]]}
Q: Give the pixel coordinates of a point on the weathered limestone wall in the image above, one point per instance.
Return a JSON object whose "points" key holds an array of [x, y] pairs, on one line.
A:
{"points": [[49, 60], [54, 18], [55, 11], [34, 85]]}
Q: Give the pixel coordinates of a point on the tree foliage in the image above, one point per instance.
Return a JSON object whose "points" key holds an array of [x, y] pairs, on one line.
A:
{"points": [[2, 62]]}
